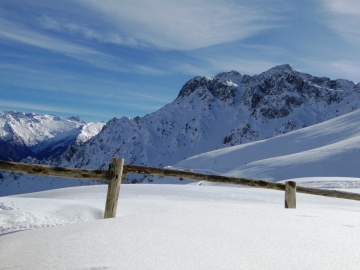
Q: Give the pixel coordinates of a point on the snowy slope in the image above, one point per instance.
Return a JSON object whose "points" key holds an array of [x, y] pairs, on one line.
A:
{"points": [[178, 227], [40, 136], [331, 148]]}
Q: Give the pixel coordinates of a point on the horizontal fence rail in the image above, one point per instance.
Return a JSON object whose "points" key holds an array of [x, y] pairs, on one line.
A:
{"points": [[202, 177], [62, 172], [329, 193], [113, 176], [118, 170], [237, 181]]}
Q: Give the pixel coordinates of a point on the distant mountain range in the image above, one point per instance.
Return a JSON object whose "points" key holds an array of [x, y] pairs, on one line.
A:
{"points": [[41, 136], [212, 113]]}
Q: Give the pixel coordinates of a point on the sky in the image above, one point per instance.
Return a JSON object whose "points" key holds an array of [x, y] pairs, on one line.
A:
{"points": [[106, 59]]}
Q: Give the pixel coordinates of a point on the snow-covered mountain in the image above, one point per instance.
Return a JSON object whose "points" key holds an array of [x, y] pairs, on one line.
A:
{"points": [[209, 113], [224, 110], [40, 136]]}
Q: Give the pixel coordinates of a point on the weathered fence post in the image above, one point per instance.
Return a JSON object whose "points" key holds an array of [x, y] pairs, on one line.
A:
{"points": [[115, 172], [290, 194]]}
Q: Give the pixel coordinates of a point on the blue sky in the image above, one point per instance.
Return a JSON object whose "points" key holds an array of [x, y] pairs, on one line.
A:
{"points": [[108, 58]]}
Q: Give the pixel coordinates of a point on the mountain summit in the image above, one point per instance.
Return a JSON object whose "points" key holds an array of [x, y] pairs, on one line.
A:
{"points": [[215, 112]]}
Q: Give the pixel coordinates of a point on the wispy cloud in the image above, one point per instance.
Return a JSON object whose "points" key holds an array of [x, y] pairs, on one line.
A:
{"points": [[51, 79], [143, 69], [344, 18], [10, 31], [109, 95], [8, 104], [247, 59], [150, 97], [343, 7], [341, 69], [77, 30], [214, 66], [22, 34], [185, 25], [347, 69]]}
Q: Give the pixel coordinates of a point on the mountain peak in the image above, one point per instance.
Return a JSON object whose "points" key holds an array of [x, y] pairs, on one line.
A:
{"points": [[229, 75], [277, 70], [191, 85]]}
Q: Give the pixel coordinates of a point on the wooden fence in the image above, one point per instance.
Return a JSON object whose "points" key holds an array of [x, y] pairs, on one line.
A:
{"points": [[118, 170]]}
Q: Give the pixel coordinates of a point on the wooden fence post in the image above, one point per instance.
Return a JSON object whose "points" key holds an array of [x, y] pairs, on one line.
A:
{"points": [[290, 194], [115, 172]]}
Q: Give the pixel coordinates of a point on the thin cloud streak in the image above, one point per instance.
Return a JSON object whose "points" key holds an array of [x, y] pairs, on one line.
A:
{"points": [[32, 106], [146, 96], [344, 18], [243, 58], [22, 34], [342, 69], [186, 25], [108, 95], [345, 7], [84, 31], [51, 80]]}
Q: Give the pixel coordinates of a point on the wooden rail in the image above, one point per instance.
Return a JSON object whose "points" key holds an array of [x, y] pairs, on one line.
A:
{"points": [[117, 173], [113, 176], [54, 171]]}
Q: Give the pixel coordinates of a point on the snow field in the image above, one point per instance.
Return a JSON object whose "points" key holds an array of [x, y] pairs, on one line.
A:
{"points": [[181, 227], [329, 149]]}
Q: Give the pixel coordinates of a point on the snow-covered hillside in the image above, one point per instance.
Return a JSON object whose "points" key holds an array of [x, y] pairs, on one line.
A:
{"points": [[211, 113], [178, 227], [331, 148], [40, 136]]}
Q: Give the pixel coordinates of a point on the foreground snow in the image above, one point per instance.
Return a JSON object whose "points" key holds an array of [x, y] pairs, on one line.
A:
{"points": [[178, 227]]}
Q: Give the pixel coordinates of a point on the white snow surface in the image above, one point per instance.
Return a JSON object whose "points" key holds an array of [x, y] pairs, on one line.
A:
{"points": [[88, 131], [331, 148], [178, 227]]}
